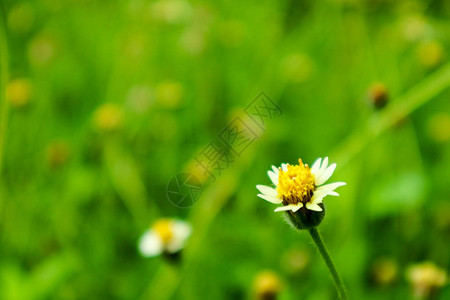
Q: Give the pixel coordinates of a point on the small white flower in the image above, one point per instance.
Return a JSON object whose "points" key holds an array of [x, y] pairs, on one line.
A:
{"points": [[165, 236], [299, 186], [426, 278]]}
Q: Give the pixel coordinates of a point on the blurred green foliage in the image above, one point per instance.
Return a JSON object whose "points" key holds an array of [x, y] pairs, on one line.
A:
{"points": [[103, 102]]}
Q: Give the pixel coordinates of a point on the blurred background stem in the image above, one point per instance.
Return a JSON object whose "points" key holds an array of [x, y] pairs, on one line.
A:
{"points": [[4, 75], [120, 164], [167, 275], [4, 107]]}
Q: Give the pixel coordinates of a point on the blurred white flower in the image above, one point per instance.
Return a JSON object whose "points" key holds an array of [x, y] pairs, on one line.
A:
{"points": [[171, 11], [415, 27], [165, 236], [299, 186], [42, 50], [430, 53], [425, 278], [140, 98]]}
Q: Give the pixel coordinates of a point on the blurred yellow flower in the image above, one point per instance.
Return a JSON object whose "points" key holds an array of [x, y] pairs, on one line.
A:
{"points": [[439, 127], [199, 173], [108, 117], [19, 92], [267, 286], [425, 279], [384, 271], [165, 236], [430, 53], [299, 186]]}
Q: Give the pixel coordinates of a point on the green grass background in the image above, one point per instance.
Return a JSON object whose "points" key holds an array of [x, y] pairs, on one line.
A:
{"points": [[70, 231]]}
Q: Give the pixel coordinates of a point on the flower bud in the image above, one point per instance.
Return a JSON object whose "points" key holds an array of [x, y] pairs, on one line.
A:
{"points": [[305, 218], [108, 117], [378, 95], [430, 54]]}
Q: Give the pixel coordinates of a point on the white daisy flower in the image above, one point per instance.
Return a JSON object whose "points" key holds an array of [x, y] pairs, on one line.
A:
{"points": [[165, 236], [299, 186]]}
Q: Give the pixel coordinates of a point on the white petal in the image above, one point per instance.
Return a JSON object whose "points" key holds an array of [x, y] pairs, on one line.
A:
{"points": [[275, 170], [267, 190], [326, 175], [284, 167], [293, 207], [319, 195], [315, 207], [319, 168], [273, 176], [330, 186], [150, 244], [316, 166], [317, 198], [181, 231], [298, 206], [271, 199], [324, 165]]}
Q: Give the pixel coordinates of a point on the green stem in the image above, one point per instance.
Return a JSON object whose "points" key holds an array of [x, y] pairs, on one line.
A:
{"points": [[4, 61], [326, 257]]}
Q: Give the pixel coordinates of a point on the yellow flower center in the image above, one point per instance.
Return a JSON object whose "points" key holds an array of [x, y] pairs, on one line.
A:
{"points": [[297, 184], [163, 228]]}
